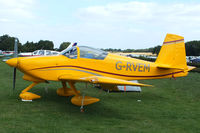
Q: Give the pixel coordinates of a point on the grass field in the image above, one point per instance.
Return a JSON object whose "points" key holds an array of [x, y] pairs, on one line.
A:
{"points": [[171, 106]]}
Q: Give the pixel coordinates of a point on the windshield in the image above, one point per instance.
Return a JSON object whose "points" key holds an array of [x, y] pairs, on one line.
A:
{"points": [[41, 52], [48, 52], [35, 52], [92, 53], [85, 52]]}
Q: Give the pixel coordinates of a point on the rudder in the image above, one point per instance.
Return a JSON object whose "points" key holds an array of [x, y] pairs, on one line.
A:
{"points": [[172, 53]]}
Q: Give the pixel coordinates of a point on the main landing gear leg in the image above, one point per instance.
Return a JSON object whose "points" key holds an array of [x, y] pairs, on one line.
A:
{"points": [[28, 96], [81, 100], [71, 84], [64, 91], [77, 98]]}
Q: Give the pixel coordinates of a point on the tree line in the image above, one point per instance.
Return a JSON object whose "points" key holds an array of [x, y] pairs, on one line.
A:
{"points": [[192, 49], [7, 44], [154, 50]]}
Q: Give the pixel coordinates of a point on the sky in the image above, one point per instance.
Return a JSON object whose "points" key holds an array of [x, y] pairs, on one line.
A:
{"points": [[125, 24]]}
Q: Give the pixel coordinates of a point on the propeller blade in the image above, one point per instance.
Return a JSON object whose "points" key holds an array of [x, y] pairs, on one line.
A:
{"points": [[15, 55], [15, 48], [14, 78]]}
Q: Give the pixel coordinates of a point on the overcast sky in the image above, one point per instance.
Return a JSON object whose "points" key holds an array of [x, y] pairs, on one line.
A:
{"points": [[100, 23]]}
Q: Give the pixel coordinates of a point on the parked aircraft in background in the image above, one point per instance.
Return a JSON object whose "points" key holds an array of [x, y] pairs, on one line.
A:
{"points": [[197, 60], [7, 53], [39, 53], [86, 64], [1, 53]]}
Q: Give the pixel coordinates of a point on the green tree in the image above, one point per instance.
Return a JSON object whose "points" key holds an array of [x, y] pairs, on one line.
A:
{"points": [[192, 48], [47, 45], [64, 45], [128, 50], [156, 49], [29, 47], [7, 43]]}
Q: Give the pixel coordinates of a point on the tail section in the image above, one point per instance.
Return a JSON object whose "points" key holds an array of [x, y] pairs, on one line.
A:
{"points": [[172, 53]]}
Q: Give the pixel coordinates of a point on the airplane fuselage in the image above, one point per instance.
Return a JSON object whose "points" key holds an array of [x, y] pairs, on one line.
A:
{"points": [[51, 67]]}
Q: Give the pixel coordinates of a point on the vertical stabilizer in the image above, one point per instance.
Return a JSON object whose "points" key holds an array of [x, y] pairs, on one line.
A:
{"points": [[172, 53]]}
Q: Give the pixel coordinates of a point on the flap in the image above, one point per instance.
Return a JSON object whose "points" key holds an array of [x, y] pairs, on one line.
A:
{"points": [[99, 80]]}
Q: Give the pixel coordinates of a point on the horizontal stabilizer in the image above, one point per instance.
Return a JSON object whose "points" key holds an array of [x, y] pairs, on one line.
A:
{"points": [[165, 66], [190, 68]]}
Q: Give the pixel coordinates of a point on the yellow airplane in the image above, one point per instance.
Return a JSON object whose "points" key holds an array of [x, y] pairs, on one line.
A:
{"points": [[85, 64]]}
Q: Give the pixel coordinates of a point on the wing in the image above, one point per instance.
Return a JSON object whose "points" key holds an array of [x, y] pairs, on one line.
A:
{"points": [[98, 80]]}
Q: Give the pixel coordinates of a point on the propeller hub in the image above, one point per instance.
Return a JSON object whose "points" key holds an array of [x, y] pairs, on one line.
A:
{"points": [[12, 62]]}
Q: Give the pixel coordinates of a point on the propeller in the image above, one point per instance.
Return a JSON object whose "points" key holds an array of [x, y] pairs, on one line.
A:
{"points": [[15, 56]]}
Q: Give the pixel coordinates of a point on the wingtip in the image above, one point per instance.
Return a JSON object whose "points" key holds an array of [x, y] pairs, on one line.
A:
{"points": [[145, 85]]}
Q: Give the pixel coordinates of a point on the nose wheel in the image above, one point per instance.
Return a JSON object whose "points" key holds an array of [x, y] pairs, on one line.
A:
{"points": [[28, 96]]}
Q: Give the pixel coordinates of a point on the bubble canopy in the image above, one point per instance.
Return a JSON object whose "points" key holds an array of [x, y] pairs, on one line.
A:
{"points": [[84, 52]]}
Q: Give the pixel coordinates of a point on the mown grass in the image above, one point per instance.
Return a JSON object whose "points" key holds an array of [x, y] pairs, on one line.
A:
{"points": [[171, 106]]}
